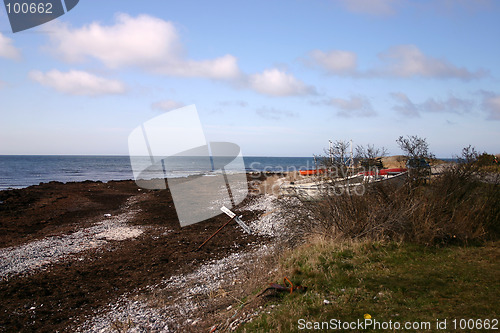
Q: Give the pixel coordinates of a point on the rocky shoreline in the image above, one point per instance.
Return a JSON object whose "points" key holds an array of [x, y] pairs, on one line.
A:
{"points": [[90, 256]]}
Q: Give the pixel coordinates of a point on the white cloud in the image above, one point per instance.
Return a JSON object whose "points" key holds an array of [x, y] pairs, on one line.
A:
{"points": [[239, 103], [153, 45], [406, 107], [274, 114], [78, 83], [273, 82], [491, 104], [222, 68], [144, 41], [7, 50], [386, 8], [402, 61], [334, 62], [140, 41], [167, 105], [408, 61], [454, 7], [451, 105], [371, 7], [355, 106]]}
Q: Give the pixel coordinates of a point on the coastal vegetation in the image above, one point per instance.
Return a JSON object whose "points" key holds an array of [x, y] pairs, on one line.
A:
{"points": [[390, 281], [418, 252], [459, 206]]}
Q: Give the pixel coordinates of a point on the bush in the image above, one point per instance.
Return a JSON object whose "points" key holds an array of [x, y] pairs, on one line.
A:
{"points": [[457, 207], [486, 159]]}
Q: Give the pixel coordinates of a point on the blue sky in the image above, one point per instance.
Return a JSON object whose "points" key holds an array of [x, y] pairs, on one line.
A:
{"points": [[279, 78]]}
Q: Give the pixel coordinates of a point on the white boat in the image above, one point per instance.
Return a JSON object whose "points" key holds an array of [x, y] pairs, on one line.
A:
{"points": [[353, 185]]}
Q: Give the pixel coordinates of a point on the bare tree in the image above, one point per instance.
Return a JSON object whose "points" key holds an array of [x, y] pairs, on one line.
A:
{"points": [[469, 155], [336, 158], [370, 156], [415, 147], [416, 150]]}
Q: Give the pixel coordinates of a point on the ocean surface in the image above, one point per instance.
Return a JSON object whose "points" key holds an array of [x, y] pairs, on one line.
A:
{"points": [[22, 171]]}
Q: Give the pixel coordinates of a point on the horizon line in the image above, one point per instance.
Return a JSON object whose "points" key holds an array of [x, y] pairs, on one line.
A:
{"points": [[117, 155]]}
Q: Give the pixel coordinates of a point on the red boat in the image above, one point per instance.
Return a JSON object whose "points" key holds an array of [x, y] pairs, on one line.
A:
{"points": [[384, 172], [311, 172]]}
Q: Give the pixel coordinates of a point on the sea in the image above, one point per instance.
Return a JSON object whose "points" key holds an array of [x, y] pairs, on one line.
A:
{"points": [[19, 171]]}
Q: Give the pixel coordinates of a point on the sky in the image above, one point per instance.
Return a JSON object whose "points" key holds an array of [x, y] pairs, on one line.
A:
{"points": [[278, 78]]}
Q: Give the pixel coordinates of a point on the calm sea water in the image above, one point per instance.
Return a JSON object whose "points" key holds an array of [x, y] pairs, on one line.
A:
{"points": [[23, 171]]}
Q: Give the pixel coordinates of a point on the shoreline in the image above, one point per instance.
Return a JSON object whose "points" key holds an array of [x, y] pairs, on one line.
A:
{"points": [[117, 170], [248, 173], [23, 171], [67, 261]]}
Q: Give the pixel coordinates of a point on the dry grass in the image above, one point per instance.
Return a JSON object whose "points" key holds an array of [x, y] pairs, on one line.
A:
{"points": [[396, 161], [457, 207], [400, 282], [399, 161], [376, 254]]}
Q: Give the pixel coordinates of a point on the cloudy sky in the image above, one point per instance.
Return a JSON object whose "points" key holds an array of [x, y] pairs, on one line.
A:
{"points": [[279, 78]]}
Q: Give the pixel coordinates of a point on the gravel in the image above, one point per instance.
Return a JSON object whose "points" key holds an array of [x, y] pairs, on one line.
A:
{"points": [[187, 295], [272, 222], [36, 255]]}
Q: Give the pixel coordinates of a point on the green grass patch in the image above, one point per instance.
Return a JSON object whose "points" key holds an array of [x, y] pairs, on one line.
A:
{"points": [[396, 282]]}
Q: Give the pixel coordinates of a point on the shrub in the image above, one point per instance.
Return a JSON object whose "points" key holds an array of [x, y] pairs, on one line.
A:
{"points": [[458, 206]]}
